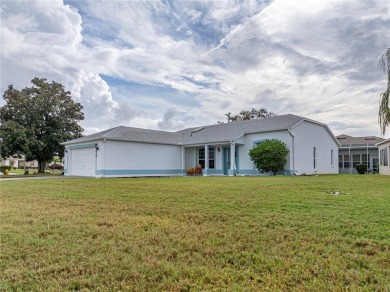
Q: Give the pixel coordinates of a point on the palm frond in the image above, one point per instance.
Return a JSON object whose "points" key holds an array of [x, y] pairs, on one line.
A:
{"points": [[384, 109]]}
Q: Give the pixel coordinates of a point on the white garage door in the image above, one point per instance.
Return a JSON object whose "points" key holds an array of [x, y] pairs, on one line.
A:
{"points": [[83, 162]]}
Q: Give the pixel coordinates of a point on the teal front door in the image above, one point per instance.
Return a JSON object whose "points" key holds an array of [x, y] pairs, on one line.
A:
{"points": [[226, 160]]}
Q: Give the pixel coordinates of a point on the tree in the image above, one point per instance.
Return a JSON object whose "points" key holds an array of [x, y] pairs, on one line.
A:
{"points": [[35, 120], [249, 115], [384, 104], [270, 155]]}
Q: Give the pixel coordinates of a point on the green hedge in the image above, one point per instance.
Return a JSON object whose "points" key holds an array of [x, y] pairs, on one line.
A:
{"points": [[3, 168]]}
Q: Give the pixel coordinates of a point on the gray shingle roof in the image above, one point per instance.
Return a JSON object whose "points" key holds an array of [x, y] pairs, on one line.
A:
{"points": [[230, 131], [346, 140], [122, 133], [197, 135]]}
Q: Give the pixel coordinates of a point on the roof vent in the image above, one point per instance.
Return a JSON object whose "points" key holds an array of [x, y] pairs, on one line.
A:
{"points": [[369, 138], [197, 129]]}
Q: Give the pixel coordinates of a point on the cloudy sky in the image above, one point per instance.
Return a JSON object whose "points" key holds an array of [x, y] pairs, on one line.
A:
{"points": [[173, 64]]}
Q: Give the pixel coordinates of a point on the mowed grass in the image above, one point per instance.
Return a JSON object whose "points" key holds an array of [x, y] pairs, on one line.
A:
{"points": [[196, 233]]}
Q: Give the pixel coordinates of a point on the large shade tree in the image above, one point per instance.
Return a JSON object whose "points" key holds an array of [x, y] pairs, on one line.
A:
{"points": [[35, 120], [384, 104]]}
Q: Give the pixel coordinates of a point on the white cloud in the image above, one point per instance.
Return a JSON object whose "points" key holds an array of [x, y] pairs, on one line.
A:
{"points": [[183, 64]]}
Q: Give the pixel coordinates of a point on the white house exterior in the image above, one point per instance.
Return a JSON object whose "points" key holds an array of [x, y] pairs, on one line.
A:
{"points": [[221, 149], [384, 155]]}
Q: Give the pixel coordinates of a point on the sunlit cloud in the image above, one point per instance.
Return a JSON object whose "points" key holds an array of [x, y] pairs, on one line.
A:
{"points": [[171, 65]]}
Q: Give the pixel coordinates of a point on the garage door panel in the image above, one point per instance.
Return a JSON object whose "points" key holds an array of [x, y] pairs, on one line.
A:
{"points": [[83, 162]]}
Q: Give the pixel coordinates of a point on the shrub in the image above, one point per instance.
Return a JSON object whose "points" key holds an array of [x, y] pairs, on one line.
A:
{"points": [[361, 168], [4, 167], [270, 155]]}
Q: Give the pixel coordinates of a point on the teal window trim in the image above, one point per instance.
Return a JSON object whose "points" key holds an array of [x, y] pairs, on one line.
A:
{"points": [[257, 142]]}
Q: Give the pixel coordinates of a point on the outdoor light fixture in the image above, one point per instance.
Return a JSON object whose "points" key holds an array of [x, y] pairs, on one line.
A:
{"points": [[219, 149], [96, 147]]}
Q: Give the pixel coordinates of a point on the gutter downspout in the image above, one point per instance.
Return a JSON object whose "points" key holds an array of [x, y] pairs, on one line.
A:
{"points": [[293, 152]]}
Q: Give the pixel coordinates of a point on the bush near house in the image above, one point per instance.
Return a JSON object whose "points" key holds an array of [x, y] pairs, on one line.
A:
{"points": [[4, 167], [361, 168], [270, 155]]}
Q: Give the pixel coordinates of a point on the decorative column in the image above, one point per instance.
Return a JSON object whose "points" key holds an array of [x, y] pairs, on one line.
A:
{"points": [[182, 160], [232, 170], [206, 160]]}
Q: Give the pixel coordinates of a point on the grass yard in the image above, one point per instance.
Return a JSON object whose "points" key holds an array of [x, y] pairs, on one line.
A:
{"points": [[196, 233]]}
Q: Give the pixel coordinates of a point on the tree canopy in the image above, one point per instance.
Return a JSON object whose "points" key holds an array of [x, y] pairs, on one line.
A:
{"points": [[384, 104], [252, 114], [269, 155], [35, 120]]}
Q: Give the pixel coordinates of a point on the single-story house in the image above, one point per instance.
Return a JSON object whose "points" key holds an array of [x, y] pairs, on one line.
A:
{"points": [[384, 154], [10, 161], [19, 162], [221, 149], [358, 150]]}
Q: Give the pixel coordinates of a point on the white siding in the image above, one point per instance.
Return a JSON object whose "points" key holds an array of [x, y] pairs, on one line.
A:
{"points": [[308, 135], [140, 159], [384, 169], [190, 157]]}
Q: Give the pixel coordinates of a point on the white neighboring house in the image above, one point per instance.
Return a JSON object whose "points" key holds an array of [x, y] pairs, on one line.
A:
{"points": [[221, 149], [384, 155], [358, 150], [19, 162], [10, 161]]}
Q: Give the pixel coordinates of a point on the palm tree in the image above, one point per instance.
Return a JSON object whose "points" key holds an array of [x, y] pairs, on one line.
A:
{"points": [[384, 103]]}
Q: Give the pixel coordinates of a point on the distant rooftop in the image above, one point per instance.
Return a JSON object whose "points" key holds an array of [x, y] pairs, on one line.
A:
{"points": [[346, 140]]}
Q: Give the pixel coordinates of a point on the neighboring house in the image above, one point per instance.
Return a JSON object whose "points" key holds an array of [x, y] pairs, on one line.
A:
{"points": [[221, 149], [27, 164], [384, 155], [10, 161], [358, 150], [19, 162]]}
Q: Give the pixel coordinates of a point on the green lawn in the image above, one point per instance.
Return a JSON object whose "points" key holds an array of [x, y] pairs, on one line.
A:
{"points": [[196, 233], [31, 172]]}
